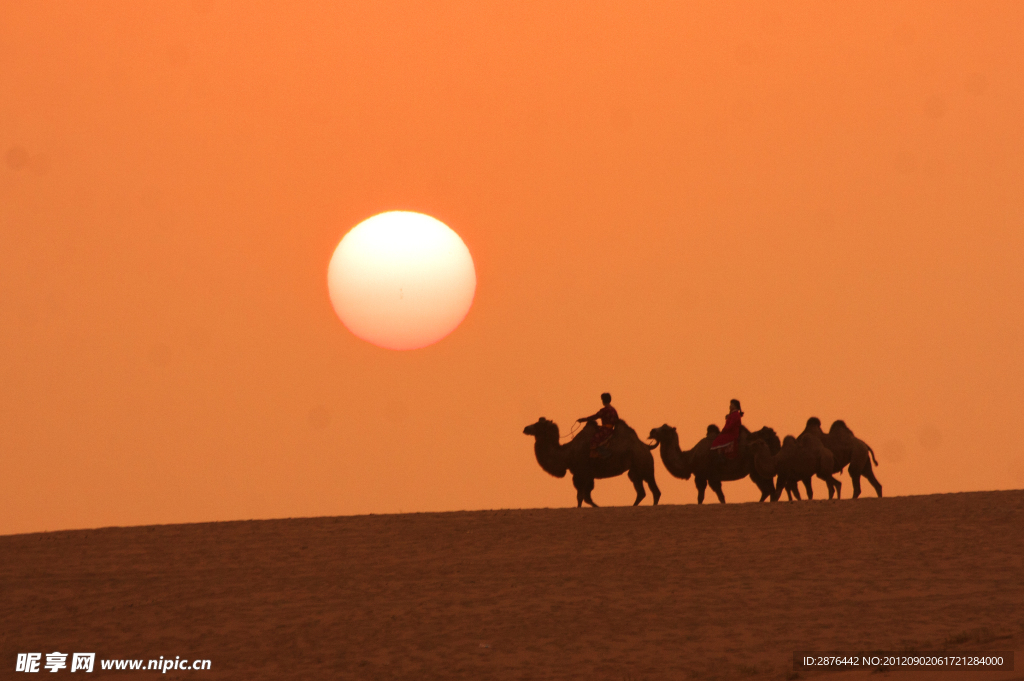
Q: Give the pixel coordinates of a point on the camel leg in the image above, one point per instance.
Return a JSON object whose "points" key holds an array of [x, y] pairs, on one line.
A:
{"points": [[589, 489], [638, 485], [716, 485], [702, 485], [793, 490], [647, 475], [760, 486], [855, 479], [782, 484], [810, 490], [654, 488], [834, 486], [870, 475], [584, 487], [829, 486]]}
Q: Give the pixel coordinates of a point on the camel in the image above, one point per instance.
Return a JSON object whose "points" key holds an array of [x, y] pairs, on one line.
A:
{"points": [[802, 457], [626, 454], [849, 450], [755, 460]]}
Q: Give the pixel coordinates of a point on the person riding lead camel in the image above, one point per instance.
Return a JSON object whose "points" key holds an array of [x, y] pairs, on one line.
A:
{"points": [[725, 445], [609, 417]]}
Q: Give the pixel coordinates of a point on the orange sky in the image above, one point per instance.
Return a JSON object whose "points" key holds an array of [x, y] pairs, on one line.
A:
{"points": [[816, 208]]}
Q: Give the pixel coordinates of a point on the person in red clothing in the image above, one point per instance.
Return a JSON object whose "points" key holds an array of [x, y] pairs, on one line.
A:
{"points": [[725, 445], [609, 417]]}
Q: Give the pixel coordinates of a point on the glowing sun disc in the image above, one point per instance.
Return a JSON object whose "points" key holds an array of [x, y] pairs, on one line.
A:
{"points": [[401, 280]]}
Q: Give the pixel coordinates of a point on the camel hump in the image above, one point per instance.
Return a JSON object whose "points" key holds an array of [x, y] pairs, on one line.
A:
{"points": [[621, 425]]}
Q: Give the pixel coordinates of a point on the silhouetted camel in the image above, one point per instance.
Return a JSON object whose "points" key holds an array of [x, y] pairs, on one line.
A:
{"points": [[627, 454], [754, 460], [848, 450], [802, 458]]}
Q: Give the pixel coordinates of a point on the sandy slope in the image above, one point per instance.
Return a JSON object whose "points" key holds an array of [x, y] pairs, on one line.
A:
{"points": [[612, 593]]}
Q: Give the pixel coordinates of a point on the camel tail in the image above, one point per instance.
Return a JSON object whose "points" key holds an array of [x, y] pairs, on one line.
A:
{"points": [[872, 455]]}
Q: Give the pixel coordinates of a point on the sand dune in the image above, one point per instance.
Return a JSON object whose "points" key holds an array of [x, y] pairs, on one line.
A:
{"points": [[669, 592]]}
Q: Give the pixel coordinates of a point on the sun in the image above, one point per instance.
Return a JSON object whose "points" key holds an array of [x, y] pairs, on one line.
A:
{"points": [[401, 280]]}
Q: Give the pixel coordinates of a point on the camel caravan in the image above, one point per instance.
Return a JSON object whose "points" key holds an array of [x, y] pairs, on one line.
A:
{"points": [[733, 453]]}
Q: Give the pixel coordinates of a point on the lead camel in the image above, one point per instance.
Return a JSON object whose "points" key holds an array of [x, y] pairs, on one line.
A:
{"points": [[626, 454]]}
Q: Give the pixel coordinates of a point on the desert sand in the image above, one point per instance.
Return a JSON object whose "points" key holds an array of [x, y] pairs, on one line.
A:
{"points": [[668, 592]]}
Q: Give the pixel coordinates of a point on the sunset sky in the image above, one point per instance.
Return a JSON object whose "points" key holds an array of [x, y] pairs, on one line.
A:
{"points": [[816, 208]]}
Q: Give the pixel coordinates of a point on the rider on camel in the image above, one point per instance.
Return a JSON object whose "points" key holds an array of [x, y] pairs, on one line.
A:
{"points": [[725, 445], [609, 417]]}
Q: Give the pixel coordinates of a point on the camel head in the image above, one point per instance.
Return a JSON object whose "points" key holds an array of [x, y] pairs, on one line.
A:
{"points": [[542, 429], [546, 447], [660, 433], [788, 441]]}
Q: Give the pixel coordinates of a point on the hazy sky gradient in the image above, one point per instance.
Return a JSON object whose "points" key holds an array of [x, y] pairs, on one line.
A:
{"points": [[816, 208]]}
